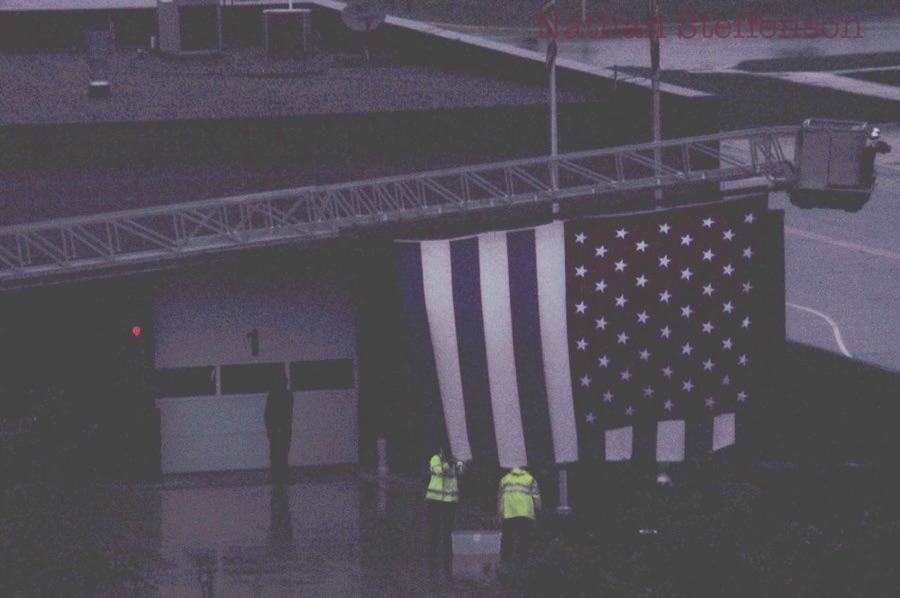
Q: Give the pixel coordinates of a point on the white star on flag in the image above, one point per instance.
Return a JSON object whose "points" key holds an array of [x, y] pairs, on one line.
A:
{"points": [[668, 272]]}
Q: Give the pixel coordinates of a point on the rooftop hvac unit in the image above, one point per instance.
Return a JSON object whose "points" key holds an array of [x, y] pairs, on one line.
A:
{"points": [[189, 26], [287, 32]]}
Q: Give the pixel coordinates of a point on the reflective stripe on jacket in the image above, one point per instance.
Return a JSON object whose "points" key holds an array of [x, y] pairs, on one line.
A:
{"points": [[443, 486], [519, 495]]}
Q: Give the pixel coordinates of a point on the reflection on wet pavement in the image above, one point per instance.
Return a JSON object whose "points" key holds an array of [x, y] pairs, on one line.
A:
{"points": [[235, 535]]}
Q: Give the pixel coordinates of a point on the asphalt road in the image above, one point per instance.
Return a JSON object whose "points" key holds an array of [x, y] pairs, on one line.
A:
{"points": [[842, 271]]}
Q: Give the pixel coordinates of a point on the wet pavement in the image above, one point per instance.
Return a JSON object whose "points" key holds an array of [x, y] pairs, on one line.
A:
{"points": [[335, 533]]}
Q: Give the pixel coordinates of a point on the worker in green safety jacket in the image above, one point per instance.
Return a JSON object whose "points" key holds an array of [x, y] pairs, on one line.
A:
{"points": [[518, 503], [442, 496]]}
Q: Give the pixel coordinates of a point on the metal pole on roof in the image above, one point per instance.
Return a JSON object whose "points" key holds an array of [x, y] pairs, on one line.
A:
{"points": [[654, 21], [548, 7]]}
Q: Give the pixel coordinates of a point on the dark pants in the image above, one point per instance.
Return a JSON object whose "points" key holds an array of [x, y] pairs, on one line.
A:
{"points": [[440, 529], [516, 540], [279, 447]]}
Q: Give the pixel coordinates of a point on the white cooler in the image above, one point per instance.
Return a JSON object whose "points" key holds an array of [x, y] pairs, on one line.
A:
{"points": [[475, 552]]}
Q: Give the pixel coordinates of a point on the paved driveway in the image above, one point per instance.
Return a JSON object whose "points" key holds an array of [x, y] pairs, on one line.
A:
{"points": [[843, 271]]}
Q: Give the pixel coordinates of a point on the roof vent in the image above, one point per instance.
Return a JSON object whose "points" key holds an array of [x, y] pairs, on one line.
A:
{"points": [[287, 32], [98, 44], [189, 27]]}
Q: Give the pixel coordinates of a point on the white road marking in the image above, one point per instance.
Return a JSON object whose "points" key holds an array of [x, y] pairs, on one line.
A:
{"points": [[843, 244], [834, 326]]}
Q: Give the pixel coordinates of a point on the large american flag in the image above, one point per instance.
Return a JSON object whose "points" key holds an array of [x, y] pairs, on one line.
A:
{"points": [[623, 337]]}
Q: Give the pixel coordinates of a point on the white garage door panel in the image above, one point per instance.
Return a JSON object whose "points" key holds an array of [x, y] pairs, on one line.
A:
{"points": [[214, 452], [209, 415], [210, 434]]}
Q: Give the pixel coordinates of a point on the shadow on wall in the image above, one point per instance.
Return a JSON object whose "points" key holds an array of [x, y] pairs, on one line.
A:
{"points": [[827, 408]]}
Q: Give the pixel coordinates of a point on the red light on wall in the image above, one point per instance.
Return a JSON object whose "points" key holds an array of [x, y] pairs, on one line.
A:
{"points": [[136, 331]]}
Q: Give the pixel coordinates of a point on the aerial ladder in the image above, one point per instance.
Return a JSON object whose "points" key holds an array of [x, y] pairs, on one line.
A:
{"points": [[152, 238]]}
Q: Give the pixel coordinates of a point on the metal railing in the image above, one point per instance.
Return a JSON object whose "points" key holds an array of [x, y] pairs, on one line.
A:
{"points": [[127, 239]]}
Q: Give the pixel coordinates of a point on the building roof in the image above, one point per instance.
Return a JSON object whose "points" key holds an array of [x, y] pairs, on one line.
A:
{"points": [[51, 88]]}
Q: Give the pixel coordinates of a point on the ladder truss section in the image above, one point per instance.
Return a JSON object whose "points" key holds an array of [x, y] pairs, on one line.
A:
{"points": [[122, 239]]}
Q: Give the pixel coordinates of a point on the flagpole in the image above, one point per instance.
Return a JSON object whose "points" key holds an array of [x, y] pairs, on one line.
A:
{"points": [[547, 9], [554, 133], [653, 9]]}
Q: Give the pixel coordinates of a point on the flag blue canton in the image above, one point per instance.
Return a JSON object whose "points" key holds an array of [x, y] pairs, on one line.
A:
{"points": [[662, 317], [621, 337]]}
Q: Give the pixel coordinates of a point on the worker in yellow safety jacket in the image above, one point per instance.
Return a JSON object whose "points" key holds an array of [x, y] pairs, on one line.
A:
{"points": [[442, 496], [518, 503]]}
